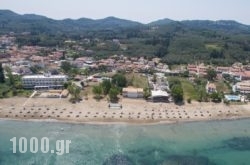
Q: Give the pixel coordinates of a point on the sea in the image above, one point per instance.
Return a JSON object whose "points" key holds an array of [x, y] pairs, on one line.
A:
{"points": [[225, 142]]}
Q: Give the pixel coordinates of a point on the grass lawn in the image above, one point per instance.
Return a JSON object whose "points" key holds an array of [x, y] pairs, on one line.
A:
{"points": [[24, 93], [213, 47], [222, 87], [137, 80], [188, 88]]}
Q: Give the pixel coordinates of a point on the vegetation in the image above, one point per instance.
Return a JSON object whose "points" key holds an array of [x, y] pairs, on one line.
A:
{"points": [[223, 86], [106, 86], [97, 90], [69, 69], [216, 97], [75, 91], [196, 90], [189, 89], [66, 66], [211, 74], [137, 80], [146, 93], [113, 92], [12, 85], [2, 78], [119, 80], [176, 90], [110, 88], [219, 43]]}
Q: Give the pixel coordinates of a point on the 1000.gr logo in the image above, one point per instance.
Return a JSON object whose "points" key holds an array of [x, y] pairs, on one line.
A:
{"points": [[61, 145]]}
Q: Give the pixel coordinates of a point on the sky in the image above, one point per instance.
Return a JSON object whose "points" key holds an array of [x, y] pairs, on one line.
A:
{"points": [[143, 11]]}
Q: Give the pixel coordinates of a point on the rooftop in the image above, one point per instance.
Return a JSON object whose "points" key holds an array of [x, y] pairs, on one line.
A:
{"points": [[132, 89], [159, 93], [44, 76]]}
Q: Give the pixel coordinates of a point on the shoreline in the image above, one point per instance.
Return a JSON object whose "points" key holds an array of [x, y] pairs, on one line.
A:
{"points": [[104, 123]]}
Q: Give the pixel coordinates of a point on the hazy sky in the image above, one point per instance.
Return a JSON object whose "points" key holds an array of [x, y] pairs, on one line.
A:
{"points": [[143, 11]]}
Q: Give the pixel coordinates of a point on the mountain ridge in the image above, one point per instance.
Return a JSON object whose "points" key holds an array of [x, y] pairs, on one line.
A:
{"points": [[175, 42], [8, 16]]}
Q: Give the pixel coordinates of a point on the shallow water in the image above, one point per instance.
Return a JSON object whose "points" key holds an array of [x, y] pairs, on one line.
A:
{"points": [[215, 142]]}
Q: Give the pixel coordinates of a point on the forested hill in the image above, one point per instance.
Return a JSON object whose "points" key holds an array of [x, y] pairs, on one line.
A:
{"points": [[10, 21], [220, 42]]}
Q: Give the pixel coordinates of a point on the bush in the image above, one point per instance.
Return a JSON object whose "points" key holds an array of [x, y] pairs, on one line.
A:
{"points": [[216, 97], [189, 100], [226, 102]]}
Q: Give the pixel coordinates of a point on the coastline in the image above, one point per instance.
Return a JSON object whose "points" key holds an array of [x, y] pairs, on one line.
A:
{"points": [[134, 112], [121, 122]]}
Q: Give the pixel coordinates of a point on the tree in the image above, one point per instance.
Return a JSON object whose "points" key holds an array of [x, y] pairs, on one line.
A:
{"points": [[119, 80], [174, 81], [75, 91], [146, 93], [185, 73], [66, 66], [86, 72], [2, 78], [154, 78], [211, 74], [13, 81], [215, 96], [202, 94], [106, 85], [177, 93], [161, 52], [217, 54], [97, 90], [82, 84], [113, 92], [35, 69]]}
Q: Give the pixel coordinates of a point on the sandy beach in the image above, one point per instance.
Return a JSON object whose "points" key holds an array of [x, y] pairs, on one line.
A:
{"points": [[133, 111]]}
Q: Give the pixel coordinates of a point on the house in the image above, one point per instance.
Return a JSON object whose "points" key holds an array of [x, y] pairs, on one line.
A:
{"points": [[242, 75], [132, 92], [210, 87], [199, 70], [242, 87], [159, 96], [220, 69]]}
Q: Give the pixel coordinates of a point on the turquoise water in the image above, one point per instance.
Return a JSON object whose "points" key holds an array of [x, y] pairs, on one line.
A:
{"points": [[217, 142]]}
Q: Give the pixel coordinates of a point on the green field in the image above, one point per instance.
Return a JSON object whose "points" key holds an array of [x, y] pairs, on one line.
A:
{"points": [[188, 88], [222, 87], [137, 80], [213, 47]]}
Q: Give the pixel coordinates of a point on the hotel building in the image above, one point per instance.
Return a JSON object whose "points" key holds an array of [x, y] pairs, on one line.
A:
{"points": [[45, 81]]}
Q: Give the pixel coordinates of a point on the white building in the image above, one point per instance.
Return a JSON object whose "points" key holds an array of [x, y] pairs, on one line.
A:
{"points": [[159, 96], [242, 87], [45, 81]]}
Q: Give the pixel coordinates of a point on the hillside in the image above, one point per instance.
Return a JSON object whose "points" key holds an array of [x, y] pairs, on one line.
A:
{"points": [[10, 21], [219, 42]]}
